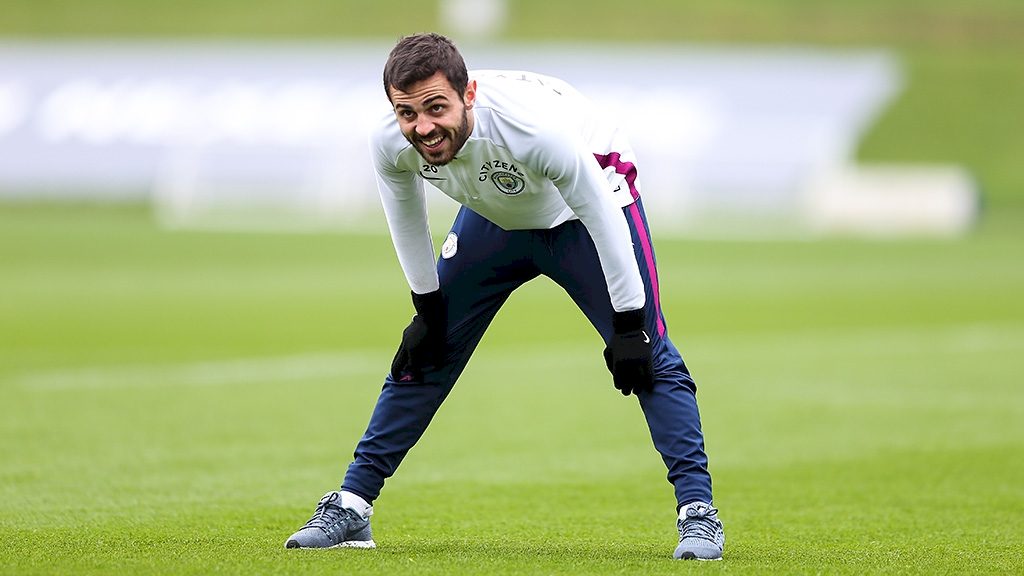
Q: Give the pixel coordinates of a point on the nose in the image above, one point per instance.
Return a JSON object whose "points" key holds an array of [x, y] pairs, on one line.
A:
{"points": [[424, 126]]}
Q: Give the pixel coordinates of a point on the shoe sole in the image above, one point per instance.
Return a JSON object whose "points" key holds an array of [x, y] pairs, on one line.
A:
{"points": [[364, 544], [692, 556], [699, 559]]}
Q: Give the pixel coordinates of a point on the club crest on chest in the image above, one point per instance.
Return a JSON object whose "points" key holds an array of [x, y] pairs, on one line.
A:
{"points": [[505, 176]]}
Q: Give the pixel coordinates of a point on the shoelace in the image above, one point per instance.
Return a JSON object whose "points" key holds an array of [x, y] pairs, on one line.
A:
{"points": [[699, 523], [327, 512]]}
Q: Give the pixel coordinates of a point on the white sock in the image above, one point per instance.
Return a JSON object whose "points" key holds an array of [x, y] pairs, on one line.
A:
{"points": [[682, 511], [356, 502]]}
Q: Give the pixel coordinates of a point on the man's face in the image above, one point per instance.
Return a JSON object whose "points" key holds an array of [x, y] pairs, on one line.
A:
{"points": [[433, 118]]}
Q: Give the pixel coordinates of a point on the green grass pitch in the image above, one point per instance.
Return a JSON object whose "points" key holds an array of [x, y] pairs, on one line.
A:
{"points": [[177, 402]]}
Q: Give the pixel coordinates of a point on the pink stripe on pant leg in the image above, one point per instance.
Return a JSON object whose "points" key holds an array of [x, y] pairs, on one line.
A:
{"points": [[652, 272]]}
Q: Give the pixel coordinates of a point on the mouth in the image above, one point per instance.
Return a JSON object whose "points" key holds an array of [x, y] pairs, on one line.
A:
{"points": [[432, 142]]}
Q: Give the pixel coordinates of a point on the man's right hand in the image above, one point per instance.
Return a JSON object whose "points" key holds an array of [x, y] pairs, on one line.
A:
{"points": [[423, 341]]}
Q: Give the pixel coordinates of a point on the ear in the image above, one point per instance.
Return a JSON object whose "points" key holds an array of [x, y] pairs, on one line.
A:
{"points": [[470, 96]]}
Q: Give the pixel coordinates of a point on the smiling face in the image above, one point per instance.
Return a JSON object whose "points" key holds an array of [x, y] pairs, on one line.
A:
{"points": [[434, 118]]}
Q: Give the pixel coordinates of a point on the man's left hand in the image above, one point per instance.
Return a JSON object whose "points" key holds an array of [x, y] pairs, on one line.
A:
{"points": [[628, 354]]}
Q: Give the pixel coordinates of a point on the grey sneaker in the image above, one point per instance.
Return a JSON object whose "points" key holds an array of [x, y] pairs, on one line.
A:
{"points": [[701, 535], [333, 527]]}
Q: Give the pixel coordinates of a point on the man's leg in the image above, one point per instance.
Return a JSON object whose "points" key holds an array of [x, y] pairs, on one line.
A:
{"points": [[671, 406], [487, 264]]}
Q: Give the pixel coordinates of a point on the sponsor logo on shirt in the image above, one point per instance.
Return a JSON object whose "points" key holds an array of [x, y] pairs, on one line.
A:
{"points": [[505, 176]]}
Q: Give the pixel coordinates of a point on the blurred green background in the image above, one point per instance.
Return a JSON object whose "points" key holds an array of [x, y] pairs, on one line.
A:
{"points": [[961, 58], [175, 402]]}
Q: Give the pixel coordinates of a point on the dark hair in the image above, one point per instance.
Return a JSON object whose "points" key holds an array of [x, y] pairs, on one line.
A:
{"points": [[418, 57]]}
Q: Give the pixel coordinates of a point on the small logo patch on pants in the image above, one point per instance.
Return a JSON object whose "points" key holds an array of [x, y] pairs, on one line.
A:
{"points": [[450, 246]]}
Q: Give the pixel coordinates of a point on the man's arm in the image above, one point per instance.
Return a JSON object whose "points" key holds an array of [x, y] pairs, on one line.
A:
{"points": [[404, 201], [405, 207], [582, 184], [585, 189]]}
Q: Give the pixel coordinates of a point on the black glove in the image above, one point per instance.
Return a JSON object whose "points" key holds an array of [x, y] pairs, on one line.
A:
{"points": [[628, 354], [423, 340]]}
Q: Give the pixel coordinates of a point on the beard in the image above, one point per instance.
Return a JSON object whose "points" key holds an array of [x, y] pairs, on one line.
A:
{"points": [[454, 140]]}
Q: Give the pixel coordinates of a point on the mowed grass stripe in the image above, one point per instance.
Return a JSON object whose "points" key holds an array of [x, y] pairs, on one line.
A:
{"points": [[323, 364], [234, 371]]}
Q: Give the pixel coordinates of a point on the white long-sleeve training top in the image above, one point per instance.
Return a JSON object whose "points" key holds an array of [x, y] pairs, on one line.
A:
{"points": [[539, 154]]}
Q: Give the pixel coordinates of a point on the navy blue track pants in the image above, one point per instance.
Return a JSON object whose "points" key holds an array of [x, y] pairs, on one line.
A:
{"points": [[489, 264]]}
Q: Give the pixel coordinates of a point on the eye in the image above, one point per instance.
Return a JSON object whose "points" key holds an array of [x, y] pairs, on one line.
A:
{"points": [[406, 114], [437, 108]]}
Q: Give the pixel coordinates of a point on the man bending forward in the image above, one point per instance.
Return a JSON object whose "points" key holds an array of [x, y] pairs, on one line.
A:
{"points": [[548, 187]]}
